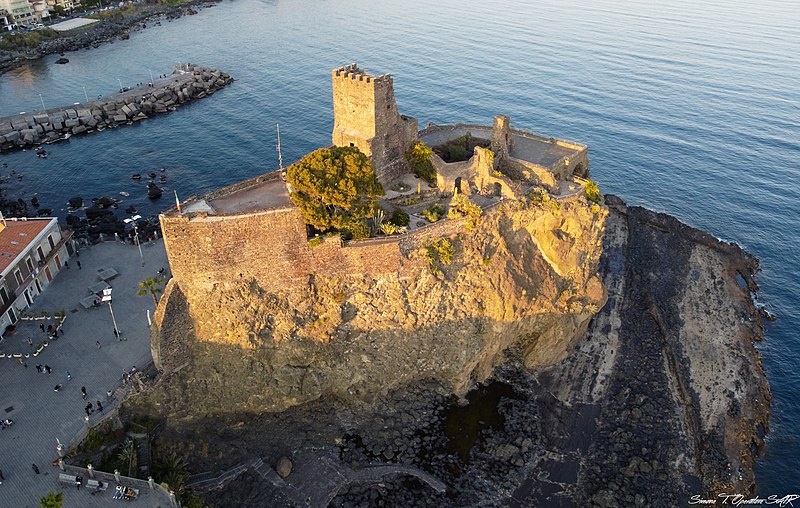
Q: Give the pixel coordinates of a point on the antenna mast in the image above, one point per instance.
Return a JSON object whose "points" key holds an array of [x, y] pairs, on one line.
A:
{"points": [[280, 157]]}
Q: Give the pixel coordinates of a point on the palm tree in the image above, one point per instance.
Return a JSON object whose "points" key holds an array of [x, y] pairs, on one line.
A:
{"points": [[128, 455], [52, 500], [151, 286], [172, 470]]}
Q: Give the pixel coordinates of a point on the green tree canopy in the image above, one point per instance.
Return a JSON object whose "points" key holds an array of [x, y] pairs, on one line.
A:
{"points": [[334, 187], [52, 500]]}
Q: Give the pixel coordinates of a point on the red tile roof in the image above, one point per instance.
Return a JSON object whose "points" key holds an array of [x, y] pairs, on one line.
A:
{"points": [[16, 237]]}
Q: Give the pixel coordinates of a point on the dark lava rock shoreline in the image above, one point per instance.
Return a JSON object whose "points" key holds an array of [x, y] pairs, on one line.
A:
{"points": [[110, 28], [663, 398]]}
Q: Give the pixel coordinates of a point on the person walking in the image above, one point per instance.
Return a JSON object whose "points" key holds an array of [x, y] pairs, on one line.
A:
{"points": [[47, 369], [99, 406], [79, 265], [39, 368], [69, 376], [98, 344], [83, 391], [30, 341], [41, 325], [61, 329], [35, 469], [2, 478]]}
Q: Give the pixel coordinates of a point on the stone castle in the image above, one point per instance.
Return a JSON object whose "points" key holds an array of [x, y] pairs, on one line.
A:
{"points": [[246, 280]]}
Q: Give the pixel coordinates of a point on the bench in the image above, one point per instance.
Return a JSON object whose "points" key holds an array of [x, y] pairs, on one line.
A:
{"points": [[67, 478], [95, 485], [107, 274], [98, 288], [88, 302]]}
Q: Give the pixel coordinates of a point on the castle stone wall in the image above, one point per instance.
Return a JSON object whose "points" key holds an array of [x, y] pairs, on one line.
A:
{"points": [[269, 247]]}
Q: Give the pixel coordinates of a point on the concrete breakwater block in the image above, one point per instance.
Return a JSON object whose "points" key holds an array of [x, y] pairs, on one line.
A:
{"points": [[187, 83]]}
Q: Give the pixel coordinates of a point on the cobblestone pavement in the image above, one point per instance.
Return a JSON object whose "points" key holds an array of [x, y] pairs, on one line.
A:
{"points": [[42, 415]]}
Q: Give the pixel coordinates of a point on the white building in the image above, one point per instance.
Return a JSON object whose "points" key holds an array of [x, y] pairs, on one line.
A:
{"points": [[20, 10], [32, 252]]}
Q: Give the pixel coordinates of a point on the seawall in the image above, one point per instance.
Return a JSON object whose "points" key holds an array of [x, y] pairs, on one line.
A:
{"points": [[186, 83]]}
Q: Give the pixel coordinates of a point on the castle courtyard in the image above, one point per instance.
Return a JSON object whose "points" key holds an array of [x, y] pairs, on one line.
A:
{"points": [[40, 414]]}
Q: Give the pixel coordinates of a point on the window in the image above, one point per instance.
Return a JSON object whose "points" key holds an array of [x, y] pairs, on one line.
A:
{"points": [[50, 239], [41, 253], [4, 295], [29, 262], [18, 276], [12, 315]]}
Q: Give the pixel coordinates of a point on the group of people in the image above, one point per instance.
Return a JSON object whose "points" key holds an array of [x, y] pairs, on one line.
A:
{"points": [[123, 492]]}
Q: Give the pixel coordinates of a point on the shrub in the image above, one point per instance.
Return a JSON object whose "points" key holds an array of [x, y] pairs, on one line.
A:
{"points": [[461, 206], [439, 252], [538, 196], [392, 229], [52, 500], [317, 240], [593, 192], [419, 156], [400, 217], [434, 212], [357, 230]]}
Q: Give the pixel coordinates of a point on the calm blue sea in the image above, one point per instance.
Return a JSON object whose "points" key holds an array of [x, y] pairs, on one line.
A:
{"points": [[690, 108]]}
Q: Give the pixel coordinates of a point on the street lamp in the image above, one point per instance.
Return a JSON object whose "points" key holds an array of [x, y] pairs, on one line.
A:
{"points": [[107, 298], [136, 233]]}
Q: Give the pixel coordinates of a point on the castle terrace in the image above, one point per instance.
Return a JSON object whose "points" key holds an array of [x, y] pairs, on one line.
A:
{"points": [[265, 192], [526, 146]]}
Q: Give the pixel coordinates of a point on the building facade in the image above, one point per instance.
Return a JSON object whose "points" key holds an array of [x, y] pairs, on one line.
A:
{"points": [[32, 252]]}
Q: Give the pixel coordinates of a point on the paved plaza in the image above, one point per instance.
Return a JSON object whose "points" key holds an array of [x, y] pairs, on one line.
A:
{"points": [[42, 415]]}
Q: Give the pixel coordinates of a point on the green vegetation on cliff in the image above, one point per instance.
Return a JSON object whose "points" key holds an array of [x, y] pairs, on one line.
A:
{"points": [[335, 188]]}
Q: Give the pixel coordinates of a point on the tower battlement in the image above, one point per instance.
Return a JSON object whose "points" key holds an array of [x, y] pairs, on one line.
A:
{"points": [[365, 115], [354, 73]]}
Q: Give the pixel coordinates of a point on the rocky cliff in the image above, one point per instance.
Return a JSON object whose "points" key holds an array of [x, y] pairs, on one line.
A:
{"points": [[662, 398], [523, 273]]}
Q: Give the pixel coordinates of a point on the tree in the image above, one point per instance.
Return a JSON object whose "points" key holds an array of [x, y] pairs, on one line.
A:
{"points": [[151, 286], [129, 456], [334, 187], [419, 156], [171, 469], [52, 500]]}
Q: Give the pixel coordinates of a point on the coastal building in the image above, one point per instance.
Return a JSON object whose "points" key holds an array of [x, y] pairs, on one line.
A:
{"points": [[21, 11], [32, 252], [5, 19]]}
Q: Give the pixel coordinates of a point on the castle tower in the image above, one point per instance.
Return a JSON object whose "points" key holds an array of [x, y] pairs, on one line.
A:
{"points": [[365, 115]]}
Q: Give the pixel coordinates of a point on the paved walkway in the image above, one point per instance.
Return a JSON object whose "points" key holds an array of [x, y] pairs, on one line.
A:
{"points": [[40, 414]]}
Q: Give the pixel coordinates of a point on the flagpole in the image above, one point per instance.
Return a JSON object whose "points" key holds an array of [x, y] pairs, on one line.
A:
{"points": [[177, 202]]}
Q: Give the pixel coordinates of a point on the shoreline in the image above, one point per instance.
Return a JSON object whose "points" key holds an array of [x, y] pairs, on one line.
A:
{"points": [[116, 26]]}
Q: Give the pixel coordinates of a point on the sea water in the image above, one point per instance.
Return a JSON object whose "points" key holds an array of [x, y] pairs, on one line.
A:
{"points": [[690, 108]]}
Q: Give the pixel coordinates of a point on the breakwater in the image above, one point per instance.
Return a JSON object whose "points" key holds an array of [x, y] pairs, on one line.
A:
{"points": [[186, 83]]}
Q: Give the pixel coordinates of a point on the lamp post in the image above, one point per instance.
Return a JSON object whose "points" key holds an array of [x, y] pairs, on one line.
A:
{"points": [[136, 234], [41, 99], [107, 298]]}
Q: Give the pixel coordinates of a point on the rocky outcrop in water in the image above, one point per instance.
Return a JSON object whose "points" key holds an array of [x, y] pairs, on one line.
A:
{"points": [[664, 397], [187, 83]]}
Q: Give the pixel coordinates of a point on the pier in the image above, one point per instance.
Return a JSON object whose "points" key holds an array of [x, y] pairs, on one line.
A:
{"points": [[186, 83]]}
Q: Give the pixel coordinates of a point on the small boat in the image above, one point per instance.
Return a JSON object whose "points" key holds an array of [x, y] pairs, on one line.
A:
{"points": [[151, 174], [163, 179], [41, 152], [136, 176], [62, 60], [123, 193]]}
